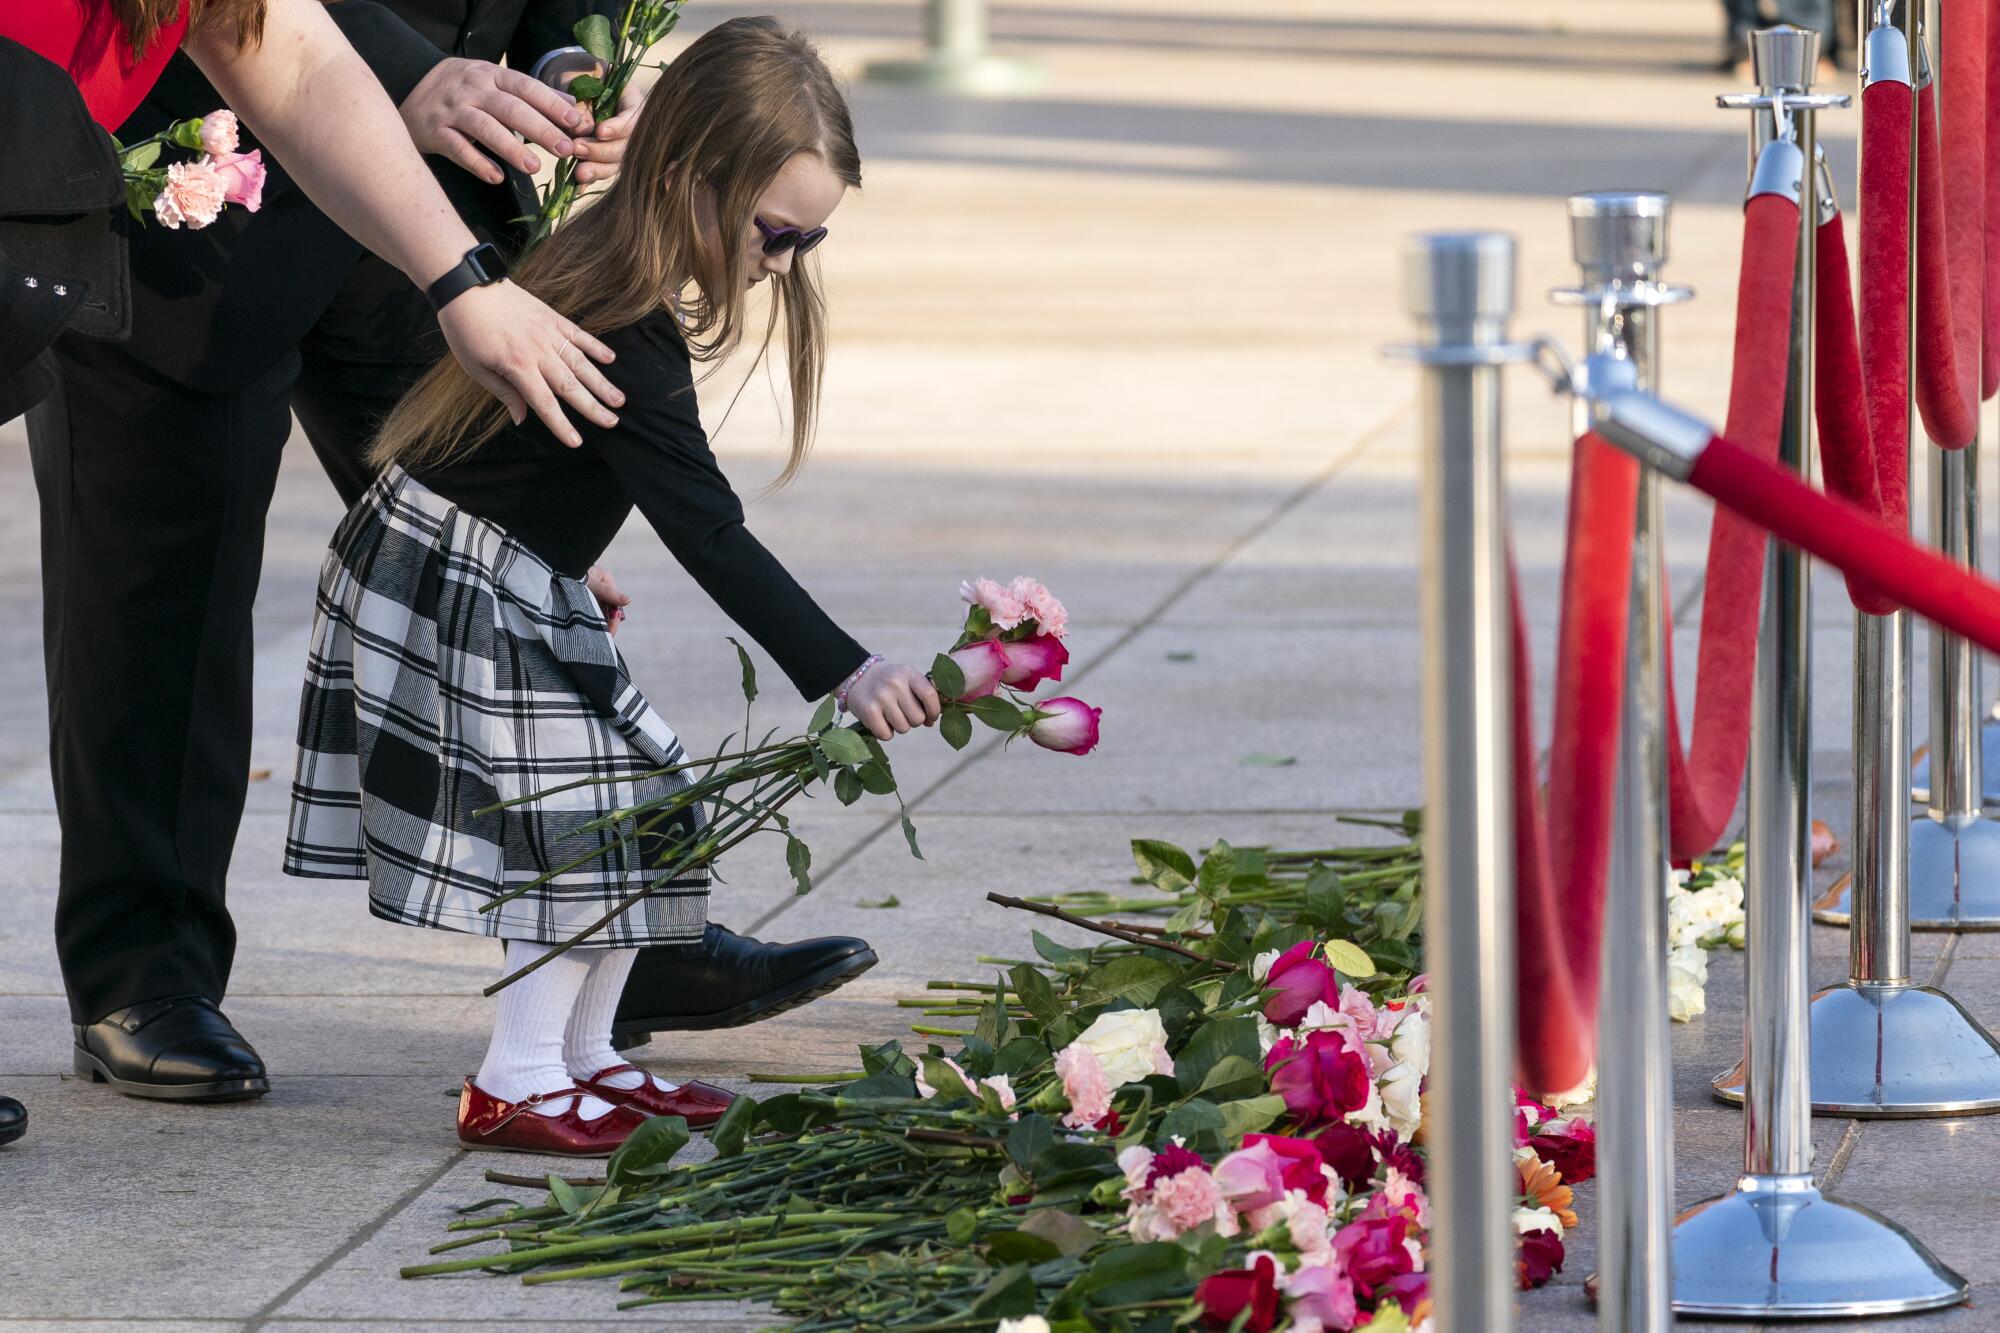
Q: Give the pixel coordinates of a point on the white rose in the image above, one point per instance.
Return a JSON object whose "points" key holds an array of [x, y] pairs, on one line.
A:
{"points": [[1372, 1115], [1687, 979], [1027, 1323], [1399, 1099], [1260, 966], [1576, 1096], [1129, 1044], [1267, 1035], [1536, 1219], [1411, 1042]]}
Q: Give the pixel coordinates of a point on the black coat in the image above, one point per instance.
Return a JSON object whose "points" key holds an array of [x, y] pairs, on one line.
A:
{"points": [[218, 307]]}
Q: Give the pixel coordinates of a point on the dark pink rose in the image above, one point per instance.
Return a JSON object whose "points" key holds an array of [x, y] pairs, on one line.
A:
{"points": [[1538, 1258], [1299, 979], [1066, 725], [1303, 1168], [1032, 661], [1409, 1289], [242, 176], [983, 664], [1373, 1251], [1400, 1154], [1349, 1150], [1321, 1078], [1570, 1149], [1225, 1295]]}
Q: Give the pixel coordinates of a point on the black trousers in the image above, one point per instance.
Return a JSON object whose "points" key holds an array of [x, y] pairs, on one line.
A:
{"points": [[153, 501]]}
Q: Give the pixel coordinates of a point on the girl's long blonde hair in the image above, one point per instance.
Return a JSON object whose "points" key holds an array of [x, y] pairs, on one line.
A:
{"points": [[141, 19], [738, 104]]}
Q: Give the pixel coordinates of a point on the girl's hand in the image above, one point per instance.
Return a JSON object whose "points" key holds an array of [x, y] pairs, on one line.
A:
{"points": [[890, 698], [609, 600], [602, 152], [528, 356]]}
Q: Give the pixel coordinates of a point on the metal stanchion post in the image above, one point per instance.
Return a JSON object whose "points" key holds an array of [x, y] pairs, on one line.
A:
{"points": [[956, 58], [1460, 290], [1881, 1046], [1775, 1247], [1619, 239]]}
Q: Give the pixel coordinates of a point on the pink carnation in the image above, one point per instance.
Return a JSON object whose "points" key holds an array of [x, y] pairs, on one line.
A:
{"points": [[1186, 1199], [1003, 606], [242, 176], [193, 195], [1084, 1083], [218, 132], [1041, 604]]}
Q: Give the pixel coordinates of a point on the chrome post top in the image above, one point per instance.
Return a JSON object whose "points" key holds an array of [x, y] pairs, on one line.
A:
{"points": [[1784, 57], [1885, 56], [1459, 280], [1619, 235]]}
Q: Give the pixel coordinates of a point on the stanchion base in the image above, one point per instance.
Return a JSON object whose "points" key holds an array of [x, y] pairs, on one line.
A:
{"points": [[1776, 1248], [1954, 878], [1886, 1052], [991, 76], [1989, 757]]}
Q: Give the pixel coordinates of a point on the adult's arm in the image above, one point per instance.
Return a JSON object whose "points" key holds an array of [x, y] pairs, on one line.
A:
{"points": [[313, 102]]}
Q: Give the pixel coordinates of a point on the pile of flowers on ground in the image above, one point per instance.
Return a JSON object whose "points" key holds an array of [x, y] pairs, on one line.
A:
{"points": [[1704, 911], [1219, 1124]]}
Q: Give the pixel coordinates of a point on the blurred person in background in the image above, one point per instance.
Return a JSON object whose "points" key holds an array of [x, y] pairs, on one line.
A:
{"points": [[1742, 17]]}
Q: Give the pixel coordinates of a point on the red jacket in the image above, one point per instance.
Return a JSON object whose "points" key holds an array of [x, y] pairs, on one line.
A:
{"points": [[86, 38]]}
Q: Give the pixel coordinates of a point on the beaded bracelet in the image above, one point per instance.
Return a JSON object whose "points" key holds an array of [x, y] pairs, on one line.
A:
{"points": [[840, 694]]}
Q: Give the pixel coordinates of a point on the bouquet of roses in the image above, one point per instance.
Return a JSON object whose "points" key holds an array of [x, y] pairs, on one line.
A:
{"points": [[192, 192], [1011, 641], [619, 52]]}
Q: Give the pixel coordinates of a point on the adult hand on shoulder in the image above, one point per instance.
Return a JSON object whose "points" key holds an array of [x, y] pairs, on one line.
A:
{"points": [[462, 105], [530, 358], [601, 154], [890, 698]]}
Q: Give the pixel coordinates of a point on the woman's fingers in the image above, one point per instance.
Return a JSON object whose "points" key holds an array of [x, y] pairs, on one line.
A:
{"points": [[462, 151], [480, 125], [593, 379], [572, 390], [533, 386]]}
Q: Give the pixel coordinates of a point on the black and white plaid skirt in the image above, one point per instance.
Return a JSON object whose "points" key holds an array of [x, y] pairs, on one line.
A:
{"points": [[451, 670]]}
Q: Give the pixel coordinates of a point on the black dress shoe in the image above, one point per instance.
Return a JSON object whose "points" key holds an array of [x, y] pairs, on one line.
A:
{"points": [[729, 980], [180, 1049], [13, 1120]]}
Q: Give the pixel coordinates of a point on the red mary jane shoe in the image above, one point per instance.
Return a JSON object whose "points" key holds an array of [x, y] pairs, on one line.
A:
{"points": [[487, 1124], [700, 1104]]}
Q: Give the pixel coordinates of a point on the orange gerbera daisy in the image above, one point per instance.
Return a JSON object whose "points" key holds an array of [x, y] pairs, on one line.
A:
{"points": [[1542, 1183]]}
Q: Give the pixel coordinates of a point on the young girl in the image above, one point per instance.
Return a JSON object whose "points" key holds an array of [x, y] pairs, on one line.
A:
{"points": [[460, 657]]}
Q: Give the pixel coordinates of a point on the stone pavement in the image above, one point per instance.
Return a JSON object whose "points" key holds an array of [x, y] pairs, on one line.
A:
{"points": [[1120, 334]]}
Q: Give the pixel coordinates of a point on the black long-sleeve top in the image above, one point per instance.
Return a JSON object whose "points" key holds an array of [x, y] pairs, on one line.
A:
{"points": [[567, 504]]}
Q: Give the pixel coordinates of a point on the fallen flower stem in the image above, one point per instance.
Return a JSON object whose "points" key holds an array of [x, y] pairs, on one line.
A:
{"points": [[1044, 909], [539, 1182]]}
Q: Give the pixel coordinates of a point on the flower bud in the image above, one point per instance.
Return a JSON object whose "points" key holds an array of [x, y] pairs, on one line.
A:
{"points": [[1066, 725]]}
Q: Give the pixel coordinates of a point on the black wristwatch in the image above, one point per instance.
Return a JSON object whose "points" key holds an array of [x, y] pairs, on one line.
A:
{"points": [[481, 267]]}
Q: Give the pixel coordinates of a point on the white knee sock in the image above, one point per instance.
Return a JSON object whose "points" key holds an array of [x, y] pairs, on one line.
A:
{"points": [[525, 1056], [587, 1039]]}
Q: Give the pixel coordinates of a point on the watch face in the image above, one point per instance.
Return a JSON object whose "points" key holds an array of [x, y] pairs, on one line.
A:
{"points": [[488, 263]]}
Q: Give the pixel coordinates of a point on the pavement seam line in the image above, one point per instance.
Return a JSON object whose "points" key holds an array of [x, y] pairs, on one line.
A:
{"points": [[352, 1243], [1299, 495], [1843, 1152], [1944, 961]]}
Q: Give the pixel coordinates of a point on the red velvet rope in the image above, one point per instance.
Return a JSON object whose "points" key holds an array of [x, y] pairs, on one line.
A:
{"points": [[1885, 291], [1846, 451], [1704, 775], [1562, 853], [1951, 225], [1854, 542]]}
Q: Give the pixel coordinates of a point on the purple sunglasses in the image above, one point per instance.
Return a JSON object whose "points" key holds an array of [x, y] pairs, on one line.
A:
{"points": [[777, 240]]}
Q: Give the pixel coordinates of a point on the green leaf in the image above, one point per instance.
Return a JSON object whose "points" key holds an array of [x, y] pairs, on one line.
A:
{"points": [[139, 198], [1011, 1293], [875, 778], [847, 787], [944, 1080], [1261, 760], [1019, 1054], [1217, 868], [1178, 1007], [946, 675], [961, 1225], [910, 836], [1064, 957], [992, 1026], [997, 713], [1250, 1115], [1232, 1075], [1070, 1234], [1019, 1247], [1198, 1123], [586, 87], [1130, 978], [1026, 1141], [1037, 995], [844, 746], [593, 34], [1211, 1043], [145, 155], [732, 1132], [881, 903], [1164, 865], [956, 726], [185, 133], [887, 1058], [822, 717], [798, 859], [1133, 1273], [1326, 901], [565, 1195], [1349, 958], [743, 655], [648, 1152]]}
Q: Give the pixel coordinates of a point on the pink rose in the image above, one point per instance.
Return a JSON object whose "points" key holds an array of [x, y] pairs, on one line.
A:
{"points": [[1321, 1078], [1373, 1251], [1321, 1298], [1032, 661], [1539, 1258], [218, 132], [1066, 725], [242, 176], [1084, 1083], [984, 665], [1304, 1169], [193, 195], [1298, 979], [1003, 607], [1041, 606], [1408, 1290], [1252, 1177]]}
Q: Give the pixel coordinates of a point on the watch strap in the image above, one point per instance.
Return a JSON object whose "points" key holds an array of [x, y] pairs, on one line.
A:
{"points": [[480, 267]]}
